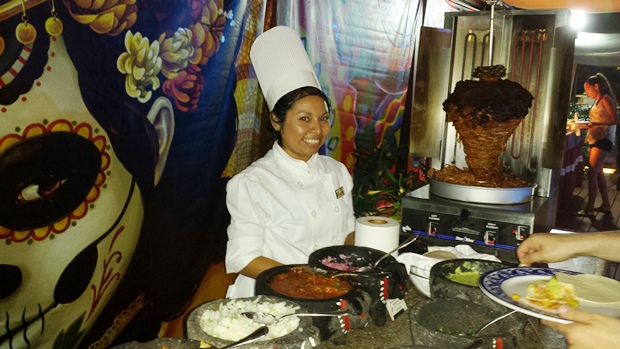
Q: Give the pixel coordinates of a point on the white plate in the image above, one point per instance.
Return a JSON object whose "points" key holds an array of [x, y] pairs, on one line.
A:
{"points": [[501, 284]]}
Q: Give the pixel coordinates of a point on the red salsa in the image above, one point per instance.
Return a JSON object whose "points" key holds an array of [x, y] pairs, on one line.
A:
{"points": [[301, 282]]}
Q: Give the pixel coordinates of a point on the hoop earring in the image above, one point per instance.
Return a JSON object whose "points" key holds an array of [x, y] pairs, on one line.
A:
{"points": [[25, 32], [53, 25]]}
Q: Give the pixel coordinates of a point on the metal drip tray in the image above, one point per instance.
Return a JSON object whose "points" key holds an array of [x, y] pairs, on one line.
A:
{"points": [[481, 195]]}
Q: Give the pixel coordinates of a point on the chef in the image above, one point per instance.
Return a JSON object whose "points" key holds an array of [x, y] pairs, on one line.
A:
{"points": [[292, 201]]}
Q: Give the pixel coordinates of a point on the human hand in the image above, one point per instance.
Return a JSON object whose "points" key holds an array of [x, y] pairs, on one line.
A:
{"points": [[589, 330], [547, 248]]}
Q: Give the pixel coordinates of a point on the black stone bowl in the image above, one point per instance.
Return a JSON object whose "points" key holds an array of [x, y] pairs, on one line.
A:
{"points": [[441, 286], [388, 280], [440, 323], [375, 282], [357, 301], [306, 334], [352, 256]]}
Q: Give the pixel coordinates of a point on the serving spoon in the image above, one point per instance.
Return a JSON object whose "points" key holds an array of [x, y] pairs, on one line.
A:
{"points": [[357, 274], [268, 319], [409, 240], [252, 337], [475, 334], [477, 344]]}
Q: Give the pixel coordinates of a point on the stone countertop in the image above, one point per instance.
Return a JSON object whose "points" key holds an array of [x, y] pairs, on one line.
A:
{"points": [[397, 334]]}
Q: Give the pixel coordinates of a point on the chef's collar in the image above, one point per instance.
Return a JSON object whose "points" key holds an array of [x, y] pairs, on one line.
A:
{"points": [[310, 166]]}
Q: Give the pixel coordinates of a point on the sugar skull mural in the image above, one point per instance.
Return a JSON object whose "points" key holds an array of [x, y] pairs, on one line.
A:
{"points": [[70, 212], [112, 145]]}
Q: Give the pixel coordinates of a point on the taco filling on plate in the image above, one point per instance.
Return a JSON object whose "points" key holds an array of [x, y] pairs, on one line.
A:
{"points": [[550, 294]]}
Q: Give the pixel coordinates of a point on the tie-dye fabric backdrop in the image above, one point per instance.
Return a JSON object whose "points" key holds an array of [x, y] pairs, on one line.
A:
{"points": [[362, 51]]}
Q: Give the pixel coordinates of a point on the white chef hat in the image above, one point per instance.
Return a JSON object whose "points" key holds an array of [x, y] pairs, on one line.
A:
{"points": [[281, 64]]}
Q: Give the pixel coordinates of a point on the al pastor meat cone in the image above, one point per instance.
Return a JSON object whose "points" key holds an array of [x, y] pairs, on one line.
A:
{"points": [[485, 113]]}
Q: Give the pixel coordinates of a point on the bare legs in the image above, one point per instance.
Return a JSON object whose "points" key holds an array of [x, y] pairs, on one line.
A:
{"points": [[596, 179]]}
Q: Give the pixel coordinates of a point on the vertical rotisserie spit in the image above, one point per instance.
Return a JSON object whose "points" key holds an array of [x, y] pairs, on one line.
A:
{"points": [[485, 113]]}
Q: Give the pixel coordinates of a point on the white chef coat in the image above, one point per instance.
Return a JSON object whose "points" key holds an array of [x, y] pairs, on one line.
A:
{"points": [[284, 209]]}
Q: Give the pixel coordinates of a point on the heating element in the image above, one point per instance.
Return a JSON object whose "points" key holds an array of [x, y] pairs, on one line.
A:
{"points": [[491, 229]]}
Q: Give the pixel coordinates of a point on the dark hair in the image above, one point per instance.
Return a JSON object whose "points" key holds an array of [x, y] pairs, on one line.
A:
{"points": [[285, 103], [603, 84]]}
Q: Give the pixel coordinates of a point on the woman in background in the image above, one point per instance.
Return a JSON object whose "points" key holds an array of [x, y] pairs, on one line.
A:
{"points": [[600, 137]]}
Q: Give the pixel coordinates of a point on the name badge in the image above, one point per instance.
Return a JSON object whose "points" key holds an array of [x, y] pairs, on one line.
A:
{"points": [[339, 193]]}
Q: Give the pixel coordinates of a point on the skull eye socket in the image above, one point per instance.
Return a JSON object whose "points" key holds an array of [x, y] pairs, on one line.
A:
{"points": [[11, 279], [45, 178]]}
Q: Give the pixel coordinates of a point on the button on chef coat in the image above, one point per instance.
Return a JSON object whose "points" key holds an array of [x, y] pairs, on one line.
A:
{"points": [[284, 209]]}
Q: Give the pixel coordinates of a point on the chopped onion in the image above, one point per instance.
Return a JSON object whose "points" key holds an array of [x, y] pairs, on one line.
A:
{"points": [[229, 324]]}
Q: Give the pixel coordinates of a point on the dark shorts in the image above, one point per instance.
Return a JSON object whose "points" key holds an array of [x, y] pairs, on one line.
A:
{"points": [[603, 144]]}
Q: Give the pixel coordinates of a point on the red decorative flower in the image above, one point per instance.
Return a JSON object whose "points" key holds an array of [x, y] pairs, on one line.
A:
{"points": [[185, 88], [110, 17], [208, 29]]}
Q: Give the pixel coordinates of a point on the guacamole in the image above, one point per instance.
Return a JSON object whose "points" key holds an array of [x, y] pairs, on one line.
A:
{"points": [[469, 278]]}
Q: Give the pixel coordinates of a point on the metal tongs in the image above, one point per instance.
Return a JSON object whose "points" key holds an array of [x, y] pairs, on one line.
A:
{"points": [[337, 273]]}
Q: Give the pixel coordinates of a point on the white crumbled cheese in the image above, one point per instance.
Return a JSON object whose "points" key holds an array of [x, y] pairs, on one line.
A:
{"points": [[229, 324]]}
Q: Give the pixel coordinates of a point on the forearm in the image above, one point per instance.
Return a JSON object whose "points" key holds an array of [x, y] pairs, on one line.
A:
{"points": [[605, 245], [547, 248], [258, 265], [350, 240], [603, 123]]}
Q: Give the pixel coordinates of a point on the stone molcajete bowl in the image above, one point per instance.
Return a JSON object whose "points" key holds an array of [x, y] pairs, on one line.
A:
{"points": [[158, 343], [449, 322], [387, 281], [306, 335], [444, 283]]}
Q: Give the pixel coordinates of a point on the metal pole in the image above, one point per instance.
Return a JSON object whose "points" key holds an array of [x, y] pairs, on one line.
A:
{"points": [[492, 3]]}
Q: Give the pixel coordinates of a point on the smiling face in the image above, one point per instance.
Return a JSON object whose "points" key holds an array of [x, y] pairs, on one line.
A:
{"points": [[305, 127]]}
